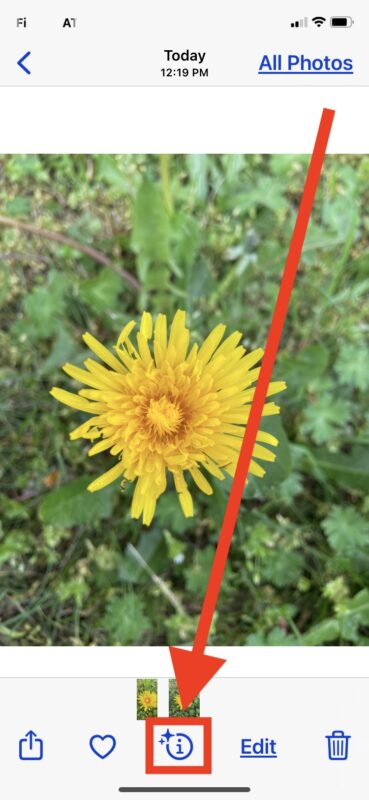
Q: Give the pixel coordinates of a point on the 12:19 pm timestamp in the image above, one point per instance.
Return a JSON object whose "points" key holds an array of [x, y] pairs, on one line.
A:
{"points": [[184, 72]]}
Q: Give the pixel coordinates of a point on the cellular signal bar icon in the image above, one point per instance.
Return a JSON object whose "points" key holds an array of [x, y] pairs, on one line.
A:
{"points": [[300, 23]]}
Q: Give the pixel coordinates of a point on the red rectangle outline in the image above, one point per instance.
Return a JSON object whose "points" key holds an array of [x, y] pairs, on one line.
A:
{"points": [[151, 722]]}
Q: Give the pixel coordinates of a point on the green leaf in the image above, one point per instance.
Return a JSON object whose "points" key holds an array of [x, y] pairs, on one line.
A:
{"points": [[12, 509], [101, 293], [170, 515], [198, 170], [353, 614], [17, 545], [350, 471], [324, 632], [23, 166], [185, 239], [151, 547], [74, 589], [126, 620], [45, 306], [266, 192], [291, 487], [72, 504], [18, 207], [323, 417], [282, 567], [63, 348], [197, 574], [275, 638], [199, 283], [175, 547], [346, 530], [352, 366], [4, 284], [109, 171], [299, 370], [151, 228]]}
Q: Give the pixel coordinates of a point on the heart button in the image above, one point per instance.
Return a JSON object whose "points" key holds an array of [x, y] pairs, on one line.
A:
{"points": [[103, 746]]}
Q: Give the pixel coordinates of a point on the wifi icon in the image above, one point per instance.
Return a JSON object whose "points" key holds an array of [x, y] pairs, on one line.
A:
{"points": [[318, 21]]}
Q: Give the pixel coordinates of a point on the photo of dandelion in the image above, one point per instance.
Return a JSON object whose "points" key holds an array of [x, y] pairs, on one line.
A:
{"points": [[175, 705], [136, 294], [147, 698], [174, 411]]}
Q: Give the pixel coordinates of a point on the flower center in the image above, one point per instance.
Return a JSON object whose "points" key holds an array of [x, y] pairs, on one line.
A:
{"points": [[164, 415]]}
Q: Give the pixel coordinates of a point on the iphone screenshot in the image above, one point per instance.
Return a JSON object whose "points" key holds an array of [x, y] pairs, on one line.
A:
{"points": [[184, 383]]}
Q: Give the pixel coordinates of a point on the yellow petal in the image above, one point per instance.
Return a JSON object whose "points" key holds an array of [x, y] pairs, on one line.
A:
{"points": [[211, 343], [186, 502], [273, 388], [267, 438], [276, 386], [201, 481], [262, 452], [124, 334], [143, 349], [178, 326], [256, 469], [229, 344], [83, 376], [269, 409], [138, 501], [116, 449], [124, 357], [110, 378], [106, 478], [105, 444], [213, 469], [148, 510], [252, 358], [160, 339], [146, 325], [82, 430], [72, 400], [90, 394], [102, 352], [179, 481]]}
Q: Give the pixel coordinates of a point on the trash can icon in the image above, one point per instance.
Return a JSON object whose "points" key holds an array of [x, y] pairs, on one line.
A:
{"points": [[338, 745]]}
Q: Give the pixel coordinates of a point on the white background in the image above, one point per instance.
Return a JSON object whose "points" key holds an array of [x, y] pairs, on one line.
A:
{"points": [[137, 661], [186, 120]]}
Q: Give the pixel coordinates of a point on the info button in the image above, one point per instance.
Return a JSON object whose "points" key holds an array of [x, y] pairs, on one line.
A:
{"points": [[178, 745]]}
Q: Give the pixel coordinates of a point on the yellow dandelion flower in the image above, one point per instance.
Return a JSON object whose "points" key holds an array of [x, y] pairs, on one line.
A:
{"points": [[161, 408], [178, 702], [147, 700]]}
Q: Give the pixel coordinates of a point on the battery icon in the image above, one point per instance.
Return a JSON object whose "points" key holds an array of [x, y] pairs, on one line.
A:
{"points": [[341, 22]]}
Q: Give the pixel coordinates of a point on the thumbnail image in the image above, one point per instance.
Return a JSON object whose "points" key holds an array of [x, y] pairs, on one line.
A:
{"points": [[147, 698], [136, 295], [175, 705]]}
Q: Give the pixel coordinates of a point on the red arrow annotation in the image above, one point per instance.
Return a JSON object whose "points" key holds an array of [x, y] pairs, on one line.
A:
{"points": [[193, 669]]}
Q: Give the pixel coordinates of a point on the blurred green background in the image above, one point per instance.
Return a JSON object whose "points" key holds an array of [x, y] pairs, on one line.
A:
{"points": [[208, 234]]}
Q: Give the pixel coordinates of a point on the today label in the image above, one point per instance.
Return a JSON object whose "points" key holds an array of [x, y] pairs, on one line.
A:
{"points": [[185, 55]]}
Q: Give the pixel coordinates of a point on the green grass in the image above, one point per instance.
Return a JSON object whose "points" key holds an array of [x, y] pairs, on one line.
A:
{"points": [[208, 234]]}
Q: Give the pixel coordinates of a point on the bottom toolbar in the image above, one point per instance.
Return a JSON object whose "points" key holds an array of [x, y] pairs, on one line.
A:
{"points": [[267, 736]]}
